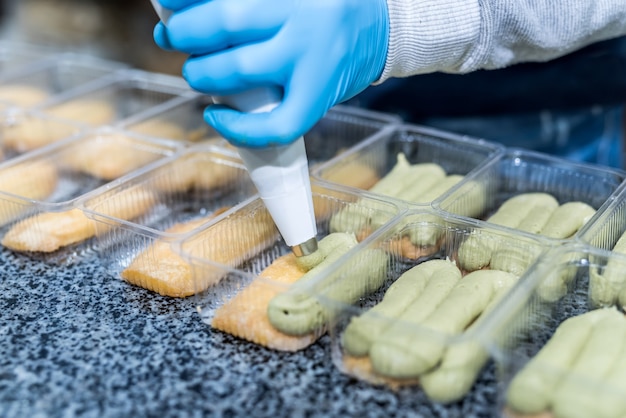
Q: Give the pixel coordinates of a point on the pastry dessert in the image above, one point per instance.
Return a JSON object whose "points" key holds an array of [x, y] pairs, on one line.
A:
{"points": [[49, 231], [578, 373], [537, 213], [160, 129], [34, 180], [290, 317], [28, 133], [416, 183], [159, 269], [22, 95], [390, 343], [110, 156], [196, 172], [89, 111]]}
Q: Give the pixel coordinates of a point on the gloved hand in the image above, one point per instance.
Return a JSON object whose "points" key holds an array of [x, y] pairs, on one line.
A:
{"points": [[318, 52]]}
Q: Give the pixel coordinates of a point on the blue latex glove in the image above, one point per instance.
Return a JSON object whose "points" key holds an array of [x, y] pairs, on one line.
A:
{"points": [[318, 52]]}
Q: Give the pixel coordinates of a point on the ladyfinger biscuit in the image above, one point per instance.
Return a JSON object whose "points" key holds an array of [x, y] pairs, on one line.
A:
{"points": [[185, 174], [50, 231], [32, 180], [30, 133], [109, 157], [159, 128], [251, 315], [88, 111], [159, 269], [22, 95], [245, 315], [354, 174]]}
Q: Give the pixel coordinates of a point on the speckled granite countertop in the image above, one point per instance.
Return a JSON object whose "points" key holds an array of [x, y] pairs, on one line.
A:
{"points": [[76, 341]]}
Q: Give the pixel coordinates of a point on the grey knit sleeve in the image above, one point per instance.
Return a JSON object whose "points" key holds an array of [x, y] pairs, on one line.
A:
{"points": [[459, 36]]}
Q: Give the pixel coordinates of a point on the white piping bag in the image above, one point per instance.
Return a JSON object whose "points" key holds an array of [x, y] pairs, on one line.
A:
{"points": [[280, 173]]}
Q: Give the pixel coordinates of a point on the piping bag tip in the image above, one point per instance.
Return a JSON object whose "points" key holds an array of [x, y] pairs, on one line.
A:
{"points": [[281, 176]]}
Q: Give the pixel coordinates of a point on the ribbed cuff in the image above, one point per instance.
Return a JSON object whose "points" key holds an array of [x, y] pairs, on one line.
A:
{"points": [[431, 35]]}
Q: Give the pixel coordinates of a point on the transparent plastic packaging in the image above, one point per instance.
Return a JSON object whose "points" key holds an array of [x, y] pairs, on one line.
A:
{"points": [[561, 356], [40, 191], [566, 193], [16, 57], [609, 224], [187, 191], [341, 128], [426, 327], [241, 269], [124, 94], [59, 74], [438, 162]]}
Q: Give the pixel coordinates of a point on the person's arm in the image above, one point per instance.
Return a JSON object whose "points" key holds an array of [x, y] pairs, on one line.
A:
{"points": [[460, 36], [324, 52]]}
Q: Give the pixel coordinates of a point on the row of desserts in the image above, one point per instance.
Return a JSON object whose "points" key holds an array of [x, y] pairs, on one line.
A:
{"points": [[238, 282], [543, 208]]}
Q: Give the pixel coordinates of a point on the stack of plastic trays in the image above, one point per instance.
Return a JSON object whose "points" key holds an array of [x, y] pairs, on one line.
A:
{"points": [[227, 259], [439, 161], [577, 371], [40, 191], [426, 327], [124, 94], [188, 190], [59, 74], [519, 172], [341, 128]]}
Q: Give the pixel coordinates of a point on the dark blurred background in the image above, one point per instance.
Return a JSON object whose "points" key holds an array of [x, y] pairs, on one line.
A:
{"points": [[571, 107]]}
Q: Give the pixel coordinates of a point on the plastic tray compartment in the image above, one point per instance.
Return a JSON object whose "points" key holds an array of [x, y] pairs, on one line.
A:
{"points": [[577, 371], [122, 95], [227, 259], [367, 163], [16, 57], [61, 73], [609, 224], [519, 171], [23, 131], [341, 128], [424, 328], [40, 191], [186, 191]]}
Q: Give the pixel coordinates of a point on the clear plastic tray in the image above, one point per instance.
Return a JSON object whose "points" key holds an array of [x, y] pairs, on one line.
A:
{"points": [[187, 191], [340, 129], [227, 258], [61, 73], [40, 191], [23, 131], [519, 171], [565, 383], [609, 224], [384, 348], [368, 162], [16, 57], [124, 94]]}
